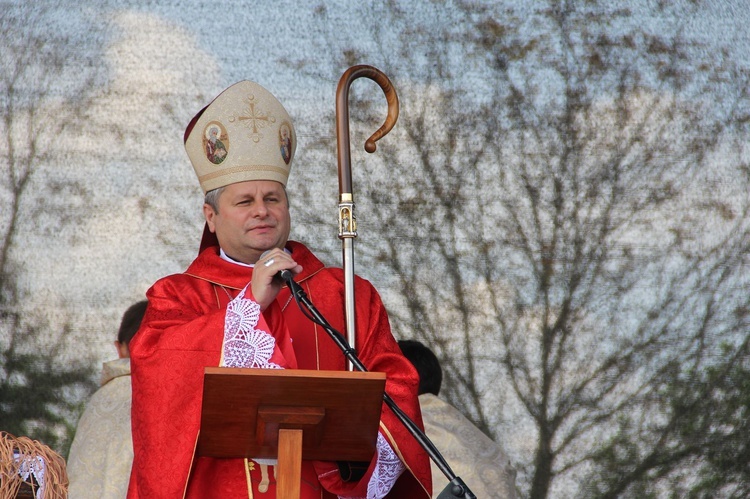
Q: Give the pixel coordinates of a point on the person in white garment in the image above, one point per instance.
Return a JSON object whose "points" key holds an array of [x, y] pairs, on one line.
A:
{"points": [[478, 460], [101, 454]]}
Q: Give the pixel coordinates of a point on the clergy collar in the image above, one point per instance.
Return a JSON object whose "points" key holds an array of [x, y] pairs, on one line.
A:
{"points": [[229, 259]]}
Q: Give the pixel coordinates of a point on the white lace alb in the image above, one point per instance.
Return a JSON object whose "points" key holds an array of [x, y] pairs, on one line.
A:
{"points": [[387, 470], [244, 345]]}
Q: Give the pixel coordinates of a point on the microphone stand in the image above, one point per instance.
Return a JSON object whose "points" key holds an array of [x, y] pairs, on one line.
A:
{"points": [[456, 488]]}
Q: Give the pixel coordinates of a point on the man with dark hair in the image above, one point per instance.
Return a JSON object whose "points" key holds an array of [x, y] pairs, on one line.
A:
{"points": [[230, 309], [101, 454], [427, 364], [479, 461], [131, 321]]}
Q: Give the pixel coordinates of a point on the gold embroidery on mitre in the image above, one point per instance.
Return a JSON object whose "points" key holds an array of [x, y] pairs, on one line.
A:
{"points": [[239, 169], [253, 118]]}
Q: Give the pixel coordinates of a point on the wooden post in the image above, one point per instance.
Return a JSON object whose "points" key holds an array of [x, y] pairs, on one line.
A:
{"points": [[290, 464]]}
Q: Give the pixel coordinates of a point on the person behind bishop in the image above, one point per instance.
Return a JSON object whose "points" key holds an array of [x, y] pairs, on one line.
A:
{"points": [[227, 309]]}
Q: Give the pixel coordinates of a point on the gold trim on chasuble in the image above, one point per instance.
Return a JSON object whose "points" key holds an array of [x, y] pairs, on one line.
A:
{"points": [[248, 479], [395, 448]]}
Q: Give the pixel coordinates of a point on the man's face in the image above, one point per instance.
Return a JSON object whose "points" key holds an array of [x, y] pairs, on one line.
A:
{"points": [[253, 217]]}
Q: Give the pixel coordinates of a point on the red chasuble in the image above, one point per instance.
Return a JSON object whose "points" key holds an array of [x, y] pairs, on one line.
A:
{"points": [[182, 332]]}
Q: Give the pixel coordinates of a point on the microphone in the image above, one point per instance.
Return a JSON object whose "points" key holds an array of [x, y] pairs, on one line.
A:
{"points": [[284, 275]]}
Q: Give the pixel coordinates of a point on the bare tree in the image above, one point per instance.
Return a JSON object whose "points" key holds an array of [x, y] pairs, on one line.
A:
{"points": [[46, 80], [565, 220]]}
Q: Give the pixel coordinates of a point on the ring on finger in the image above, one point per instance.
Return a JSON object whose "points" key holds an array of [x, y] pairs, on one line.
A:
{"points": [[268, 263]]}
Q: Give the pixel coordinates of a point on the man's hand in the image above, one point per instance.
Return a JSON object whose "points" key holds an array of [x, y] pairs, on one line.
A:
{"points": [[265, 284]]}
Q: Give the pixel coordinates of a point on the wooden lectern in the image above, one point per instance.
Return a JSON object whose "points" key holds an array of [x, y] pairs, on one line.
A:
{"points": [[290, 415]]}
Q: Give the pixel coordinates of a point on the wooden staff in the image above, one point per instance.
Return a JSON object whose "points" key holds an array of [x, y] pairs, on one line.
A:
{"points": [[347, 220]]}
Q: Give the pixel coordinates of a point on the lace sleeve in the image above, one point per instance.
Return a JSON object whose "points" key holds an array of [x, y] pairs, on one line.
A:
{"points": [[387, 470], [245, 345]]}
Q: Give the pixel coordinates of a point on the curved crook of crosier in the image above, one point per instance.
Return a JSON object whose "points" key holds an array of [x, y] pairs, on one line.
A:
{"points": [[342, 118]]}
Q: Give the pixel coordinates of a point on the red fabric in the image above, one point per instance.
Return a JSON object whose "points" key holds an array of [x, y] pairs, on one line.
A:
{"points": [[182, 333]]}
